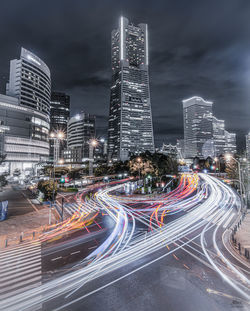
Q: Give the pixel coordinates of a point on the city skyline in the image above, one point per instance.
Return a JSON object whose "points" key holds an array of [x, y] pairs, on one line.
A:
{"points": [[184, 62]]}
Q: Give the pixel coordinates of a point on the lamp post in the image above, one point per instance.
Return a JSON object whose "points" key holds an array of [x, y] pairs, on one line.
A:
{"points": [[217, 160], [92, 144], [139, 161], [56, 137]]}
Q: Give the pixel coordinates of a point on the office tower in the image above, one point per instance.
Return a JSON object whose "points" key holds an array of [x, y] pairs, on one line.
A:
{"points": [[219, 136], [230, 143], [198, 127], [81, 129], [59, 117], [24, 136], [29, 82], [130, 118], [26, 111]]}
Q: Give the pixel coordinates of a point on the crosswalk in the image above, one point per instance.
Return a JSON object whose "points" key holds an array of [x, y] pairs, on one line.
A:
{"points": [[20, 269]]}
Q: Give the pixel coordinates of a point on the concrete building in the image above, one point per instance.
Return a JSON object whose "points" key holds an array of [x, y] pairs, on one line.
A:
{"points": [[25, 112], [198, 127], [81, 129], [130, 118], [29, 82], [25, 135], [230, 143], [219, 136], [59, 117]]}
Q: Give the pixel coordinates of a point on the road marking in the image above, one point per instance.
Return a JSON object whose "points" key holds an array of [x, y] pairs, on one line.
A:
{"points": [[30, 202], [229, 220], [75, 252], [186, 266], [56, 258], [93, 247]]}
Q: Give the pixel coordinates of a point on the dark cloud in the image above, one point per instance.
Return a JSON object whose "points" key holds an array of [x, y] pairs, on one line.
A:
{"points": [[197, 47]]}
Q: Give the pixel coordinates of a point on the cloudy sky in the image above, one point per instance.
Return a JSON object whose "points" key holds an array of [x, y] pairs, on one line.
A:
{"points": [[197, 47]]}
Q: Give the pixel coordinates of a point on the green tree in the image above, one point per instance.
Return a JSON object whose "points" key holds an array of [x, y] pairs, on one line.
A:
{"points": [[48, 188], [232, 169]]}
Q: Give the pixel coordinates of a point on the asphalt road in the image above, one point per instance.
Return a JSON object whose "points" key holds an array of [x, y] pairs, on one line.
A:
{"points": [[177, 282]]}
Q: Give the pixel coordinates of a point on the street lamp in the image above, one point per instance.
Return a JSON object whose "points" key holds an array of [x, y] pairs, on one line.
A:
{"points": [[56, 136], [92, 144], [139, 160]]}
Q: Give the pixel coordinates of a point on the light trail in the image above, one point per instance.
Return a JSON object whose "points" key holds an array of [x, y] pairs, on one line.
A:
{"points": [[205, 208]]}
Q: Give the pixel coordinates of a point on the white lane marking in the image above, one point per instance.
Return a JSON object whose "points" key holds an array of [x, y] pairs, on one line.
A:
{"points": [[75, 252], [228, 221], [18, 268], [93, 247], [20, 290], [10, 287], [9, 275], [20, 255], [20, 260], [7, 252], [56, 258], [18, 279]]}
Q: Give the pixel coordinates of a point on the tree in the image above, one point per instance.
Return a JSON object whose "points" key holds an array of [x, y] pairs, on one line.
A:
{"points": [[3, 181], [48, 188], [231, 169]]}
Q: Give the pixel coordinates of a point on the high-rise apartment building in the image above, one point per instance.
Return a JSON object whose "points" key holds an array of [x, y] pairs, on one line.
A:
{"points": [[81, 129], [198, 127], [130, 118], [59, 117]]}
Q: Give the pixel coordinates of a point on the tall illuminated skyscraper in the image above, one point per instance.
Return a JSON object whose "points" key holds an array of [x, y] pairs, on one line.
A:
{"points": [[130, 118], [198, 127]]}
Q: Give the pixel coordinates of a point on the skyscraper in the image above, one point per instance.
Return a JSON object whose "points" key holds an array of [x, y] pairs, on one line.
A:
{"points": [[81, 129], [26, 112], [198, 127], [219, 136], [29, 81], [59, 117], [130, 118], [230, 142]]}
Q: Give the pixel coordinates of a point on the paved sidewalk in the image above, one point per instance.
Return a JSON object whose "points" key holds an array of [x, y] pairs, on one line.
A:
{"points": [[25, 218], [241, 238]]}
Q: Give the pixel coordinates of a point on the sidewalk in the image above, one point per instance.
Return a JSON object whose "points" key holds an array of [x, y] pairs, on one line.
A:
{"points": [[241, 237], [25, 218]]}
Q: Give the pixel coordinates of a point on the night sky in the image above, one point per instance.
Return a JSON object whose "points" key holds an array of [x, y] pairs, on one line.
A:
{"points": [[196, 48]]}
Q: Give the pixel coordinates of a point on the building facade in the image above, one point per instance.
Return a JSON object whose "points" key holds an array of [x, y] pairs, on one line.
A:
{"points": [[230, 143], [81, 129], [198, 127], [29, 82], [25, 135], [59, 117], [130, 118], [219, 136]]}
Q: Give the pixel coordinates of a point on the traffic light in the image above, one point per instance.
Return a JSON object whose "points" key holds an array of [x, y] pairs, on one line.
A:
{"points": [[62, 180]]}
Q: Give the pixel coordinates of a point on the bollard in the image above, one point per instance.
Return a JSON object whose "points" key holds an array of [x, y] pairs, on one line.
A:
{"points": [[6, 242], [21, 237], [34, 234]]}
